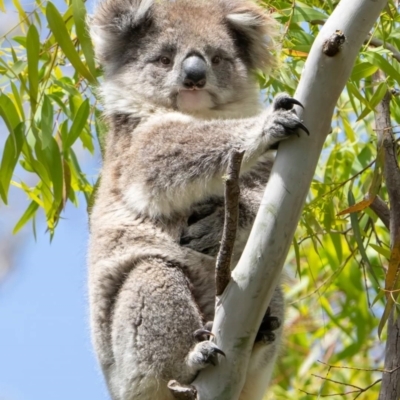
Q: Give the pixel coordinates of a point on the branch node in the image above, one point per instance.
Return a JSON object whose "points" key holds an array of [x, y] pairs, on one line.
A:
{"points": [[332, 45]]}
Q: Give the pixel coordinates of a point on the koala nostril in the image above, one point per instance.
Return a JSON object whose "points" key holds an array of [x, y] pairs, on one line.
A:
{"points": [[201, 83], [191, 84], [188, 83]]}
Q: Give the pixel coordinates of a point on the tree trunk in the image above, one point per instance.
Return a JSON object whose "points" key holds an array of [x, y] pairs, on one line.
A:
{"points": [[390, 388]]}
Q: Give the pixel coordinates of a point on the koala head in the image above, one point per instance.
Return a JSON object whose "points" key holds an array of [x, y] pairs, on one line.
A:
{"points": [[186, 55]]}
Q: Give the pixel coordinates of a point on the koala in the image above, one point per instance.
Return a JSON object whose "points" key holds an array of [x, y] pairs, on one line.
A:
{"points": [[179, 94]]}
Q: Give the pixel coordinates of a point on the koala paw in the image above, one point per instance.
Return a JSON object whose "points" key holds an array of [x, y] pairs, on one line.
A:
{"points": [[204, 354], [204, 231], [269, 324], [282, 121]]}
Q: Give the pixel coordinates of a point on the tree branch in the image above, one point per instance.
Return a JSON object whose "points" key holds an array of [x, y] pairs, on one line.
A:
{"points": [[257, 274], [390, 389], [387, 143], [232, 192], [380, 208], [373, 41]]}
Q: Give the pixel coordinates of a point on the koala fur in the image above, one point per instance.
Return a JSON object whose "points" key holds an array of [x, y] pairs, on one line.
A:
{"points": [[179, 93]]}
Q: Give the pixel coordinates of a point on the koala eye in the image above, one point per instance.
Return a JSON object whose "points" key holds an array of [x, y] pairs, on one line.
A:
{"points": [[165, 60], [216, 60]]}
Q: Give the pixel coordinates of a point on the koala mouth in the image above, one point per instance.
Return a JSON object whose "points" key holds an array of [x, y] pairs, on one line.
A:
{"points": [[194, 100]]}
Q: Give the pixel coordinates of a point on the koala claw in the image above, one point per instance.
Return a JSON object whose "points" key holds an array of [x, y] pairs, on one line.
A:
{"points": [[204, 354], [303, 127], [200, 334], [283, 121], [283, 101], [268, 325]]}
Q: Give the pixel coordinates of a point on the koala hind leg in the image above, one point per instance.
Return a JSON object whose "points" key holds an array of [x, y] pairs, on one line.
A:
{"points": [[155, 317]]}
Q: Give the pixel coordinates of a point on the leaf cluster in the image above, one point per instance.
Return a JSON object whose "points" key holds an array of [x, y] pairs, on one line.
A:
{"points": [[340, 256], [49, 108]]}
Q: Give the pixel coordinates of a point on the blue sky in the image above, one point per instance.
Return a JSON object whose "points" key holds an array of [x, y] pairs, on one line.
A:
{"points": [[45, 349]]}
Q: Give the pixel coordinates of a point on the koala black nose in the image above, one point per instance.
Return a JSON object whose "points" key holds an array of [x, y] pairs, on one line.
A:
{"points": [[195, 72]]}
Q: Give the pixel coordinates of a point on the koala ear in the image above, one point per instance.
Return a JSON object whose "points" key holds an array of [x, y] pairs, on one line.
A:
{"points": [[254, 32], [113, 20]]}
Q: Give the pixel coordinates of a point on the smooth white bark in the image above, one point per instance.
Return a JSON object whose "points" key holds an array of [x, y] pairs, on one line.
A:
{"points": [[246, 298]]}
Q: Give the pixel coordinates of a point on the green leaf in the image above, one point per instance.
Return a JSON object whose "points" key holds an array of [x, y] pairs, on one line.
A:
{"points": [[375, 100], [46, 122], [363, 70], [92, 197], [355, 92], [303, 12], [78, 124], [61, 104], [357, 235], [87, 140], [17, 68], [385, 252], [28, 214], [8, 112], [12, 150], [32, 50], [20, 40], [101, 130], [50, 158], [349, 131], [17, 99], [56, 171], [22, 14], [60, 32], [378, 297], [79, 13], [379, 61]]}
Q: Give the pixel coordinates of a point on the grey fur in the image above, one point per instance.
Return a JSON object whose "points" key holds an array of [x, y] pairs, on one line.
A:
{"points": [[151, 281]]}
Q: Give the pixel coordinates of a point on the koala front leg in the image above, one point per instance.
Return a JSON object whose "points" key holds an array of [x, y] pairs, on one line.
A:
{"points": [[195, 154], [152, 336]]}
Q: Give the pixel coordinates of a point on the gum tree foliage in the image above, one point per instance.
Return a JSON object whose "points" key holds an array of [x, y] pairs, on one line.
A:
{"points": [[342, 276]]}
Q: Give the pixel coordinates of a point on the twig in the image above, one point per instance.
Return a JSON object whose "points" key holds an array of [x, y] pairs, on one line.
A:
{"points": [[232, 192], [338, 382], [380, 208], [359, 391], [356, 369]]}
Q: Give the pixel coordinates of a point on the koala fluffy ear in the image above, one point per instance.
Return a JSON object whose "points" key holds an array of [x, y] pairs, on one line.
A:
{"points": [[112, 21], [254, 32]]}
